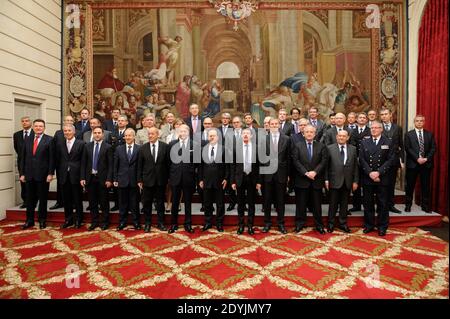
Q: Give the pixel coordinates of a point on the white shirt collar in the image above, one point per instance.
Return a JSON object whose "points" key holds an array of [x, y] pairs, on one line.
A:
{"points": [[71, 140]]}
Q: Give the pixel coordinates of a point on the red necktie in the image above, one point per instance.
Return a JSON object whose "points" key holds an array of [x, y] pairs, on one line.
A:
{"points": [[35, 144]]}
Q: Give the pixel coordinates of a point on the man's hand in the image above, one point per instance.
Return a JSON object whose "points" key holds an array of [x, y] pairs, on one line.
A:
{"points": [[83, 183], [233, 186], [311, 175], [422, 160], [374, 175], [224, 184], [258, 186], [354, 186], [22, 178], [49, 178], [108, 184], [201, 184], [141, 185], [327, 185]]}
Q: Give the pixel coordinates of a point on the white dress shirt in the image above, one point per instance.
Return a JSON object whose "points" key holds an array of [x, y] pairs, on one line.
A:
{"points": [[69, 144]]}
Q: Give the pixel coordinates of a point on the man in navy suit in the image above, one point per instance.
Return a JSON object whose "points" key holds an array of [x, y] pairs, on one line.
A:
{"points": [[36, 170], [69, 153], [111, 125], [125, 179], [376, 158], [83, 126], [420, 148], [97, 176], [195, 122]]}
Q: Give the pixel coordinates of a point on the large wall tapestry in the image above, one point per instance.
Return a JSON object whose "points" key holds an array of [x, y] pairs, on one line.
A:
{"points": [[154, 57]]}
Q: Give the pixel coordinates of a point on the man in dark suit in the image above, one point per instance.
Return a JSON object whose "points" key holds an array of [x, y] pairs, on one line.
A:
{"points": [[97, 176], [182, 177], [19, 139], [245, 178], [112, 124], [295, 116], [153, 173], [226, 127], [125, 179], [420, 147], [213, 179], [360, 133], [294, 139], [88, 136], [310, 161], [313, 117], [351, 121], [274, 183], [285, 127], [230, 144], [59, 138], [36, 170], [395, 134], [83, 126], [376, 158], [69, 153], [330, 134], [194, 121], [341, 177]]}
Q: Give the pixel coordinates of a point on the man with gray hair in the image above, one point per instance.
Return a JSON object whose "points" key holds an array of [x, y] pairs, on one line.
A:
{"points": [[69, 154], [142, 134]]}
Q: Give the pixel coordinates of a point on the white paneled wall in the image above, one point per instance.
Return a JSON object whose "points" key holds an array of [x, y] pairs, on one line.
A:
{"points": [[30, 71]]}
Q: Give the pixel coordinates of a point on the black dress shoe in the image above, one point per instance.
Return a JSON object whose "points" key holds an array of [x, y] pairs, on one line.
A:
{"points": [[78, 225], [105, 226], [147, 228], [66, 224], [320, 230], [88, 208], [426, 210], [27, 225], [367, 230], [230, 207], [330, 229], [382, 232], [137, 226], [161, 227], [42, 225], [251, 230], [220, 228], [408, 208], [345, 229], [282, 229], [240, 230], [189, 229], [56, 206], [266, 229], [395, 210], [120, 227], [23, 205], [354, 209], [206, 227], [298, 229], [202, 209], [173, 229], [92, 227], [114, 208]]}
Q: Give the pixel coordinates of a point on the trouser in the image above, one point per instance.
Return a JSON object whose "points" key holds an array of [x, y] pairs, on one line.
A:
{"points": [[98, 194], [150, 194], [381, 194], [301, 197], [187, 196], [357, 195], [36, 191], [246, 194], [338, 197], [392, 177], [72, 198], [211, 196], [274, 192], [128, 202], [23, 192], [411, 177], [59, 194]]}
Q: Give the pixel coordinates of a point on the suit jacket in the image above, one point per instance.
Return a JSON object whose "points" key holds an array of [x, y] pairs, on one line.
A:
{"points": [[106, 137], [69, 161], [142, 136], [183, 172], [125, 171], [339, 173], [80, 132], [188, 122], [37, 167], [109, 125], [284, 159], [117, 139], [302, 165], [104, 166], [412, 148], [213, 173], [296, 138], [149, 172], [359, 137], [321, 127], [287, 129], [395, 134], [380, 157], [19, 142], [330, 136], [237, 169]]}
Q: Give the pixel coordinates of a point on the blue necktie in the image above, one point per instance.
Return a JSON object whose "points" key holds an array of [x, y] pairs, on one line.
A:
{"points": [[129, 152], [310, 151], [83, 125], [94, 164]]}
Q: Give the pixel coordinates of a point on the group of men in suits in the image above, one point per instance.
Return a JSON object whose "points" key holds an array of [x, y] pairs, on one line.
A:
{"points": [[303, 154]]}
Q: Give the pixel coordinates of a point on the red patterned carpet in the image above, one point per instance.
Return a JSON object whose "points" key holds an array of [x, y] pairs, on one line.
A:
{"points": [[407, 263]]}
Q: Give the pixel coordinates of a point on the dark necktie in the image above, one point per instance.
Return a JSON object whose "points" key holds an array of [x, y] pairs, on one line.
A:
{"points": [[387, 127], [95, 159], [153, 152], [129, 152], [212, 155], [25, 135], [360, 130], [421, 145], [375, 141], [84, 125], [310, 151], [342, 154]]}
